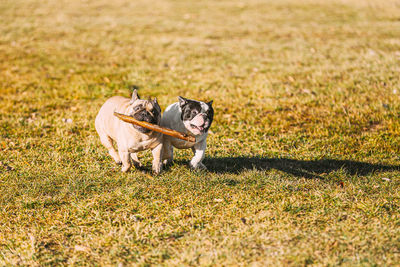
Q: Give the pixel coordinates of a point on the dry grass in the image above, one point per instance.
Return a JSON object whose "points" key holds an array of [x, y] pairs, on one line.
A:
{"points": [[303, 159]]}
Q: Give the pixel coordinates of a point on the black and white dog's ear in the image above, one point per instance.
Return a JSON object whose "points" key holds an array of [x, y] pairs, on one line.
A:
{"points": [[135, 96], [210, 103], [182, 101]]}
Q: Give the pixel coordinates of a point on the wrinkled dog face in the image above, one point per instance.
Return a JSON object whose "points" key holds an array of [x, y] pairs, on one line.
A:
{"points": [[144, 110], [196, 116]]}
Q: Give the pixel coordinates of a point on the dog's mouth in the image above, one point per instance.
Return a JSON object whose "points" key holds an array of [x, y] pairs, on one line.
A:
{"points": [[148, 119], [145, 130], [141, 129], [196, 129], [199, 128]]}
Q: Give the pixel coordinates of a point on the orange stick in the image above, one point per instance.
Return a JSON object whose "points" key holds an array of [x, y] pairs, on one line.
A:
{"points": [[155, 127]]}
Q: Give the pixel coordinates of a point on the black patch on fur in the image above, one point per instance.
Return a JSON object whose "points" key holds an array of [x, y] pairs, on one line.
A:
{"points": [[210, 116], [190, 110], [156, 113]]}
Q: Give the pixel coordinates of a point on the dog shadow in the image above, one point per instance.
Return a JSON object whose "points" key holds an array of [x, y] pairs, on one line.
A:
{"points": [[311, 169]]}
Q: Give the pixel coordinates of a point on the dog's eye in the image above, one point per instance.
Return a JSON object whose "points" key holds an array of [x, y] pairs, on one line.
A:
{"points": [[194, 112], [137, 108]]}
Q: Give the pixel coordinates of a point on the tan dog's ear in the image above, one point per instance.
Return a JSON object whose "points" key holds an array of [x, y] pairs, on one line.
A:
{"points": [[155, 102], [135, 96]]}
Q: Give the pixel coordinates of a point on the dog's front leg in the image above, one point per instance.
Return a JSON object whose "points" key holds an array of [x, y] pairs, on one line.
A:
{"points": [[125, 158], [199, 151], [157, 153]]}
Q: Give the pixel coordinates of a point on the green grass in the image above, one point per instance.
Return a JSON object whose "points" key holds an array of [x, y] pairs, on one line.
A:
{"points": [[303, 156]]}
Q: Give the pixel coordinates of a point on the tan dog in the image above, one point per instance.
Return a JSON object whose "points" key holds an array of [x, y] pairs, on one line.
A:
{"points": [[130, 138]]}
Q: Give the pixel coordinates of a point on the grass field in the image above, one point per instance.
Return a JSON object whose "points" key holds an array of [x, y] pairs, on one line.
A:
{"points": [[304, 151]]}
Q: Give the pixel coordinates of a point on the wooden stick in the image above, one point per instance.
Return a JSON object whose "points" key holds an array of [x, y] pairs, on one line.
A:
{"points": [[155, 127]]}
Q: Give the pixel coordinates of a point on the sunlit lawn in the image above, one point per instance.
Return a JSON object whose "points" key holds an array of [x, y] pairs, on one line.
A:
{"points": [[303, 156]]}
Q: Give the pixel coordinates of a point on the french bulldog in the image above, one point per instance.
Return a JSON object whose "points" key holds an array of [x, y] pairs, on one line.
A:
{"points": [[190, 117], [130, 138]]}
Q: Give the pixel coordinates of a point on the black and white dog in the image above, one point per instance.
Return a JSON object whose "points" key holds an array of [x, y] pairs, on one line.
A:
{"points": [[190, 117]]}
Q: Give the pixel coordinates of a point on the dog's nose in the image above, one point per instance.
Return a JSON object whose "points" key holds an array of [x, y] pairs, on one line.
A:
{"points": [[199, 120]]}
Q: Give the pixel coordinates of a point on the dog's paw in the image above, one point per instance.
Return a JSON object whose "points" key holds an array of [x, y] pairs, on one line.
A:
{"points": [[137, 164], [167, 162], [157, 168], [136, 161], [115, 157], [125, 168], [198, 166]]}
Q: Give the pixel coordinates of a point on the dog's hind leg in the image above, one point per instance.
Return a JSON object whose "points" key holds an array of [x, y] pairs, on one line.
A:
{"points": [[125, 158], [136, 160], [107, 142], [167, 152], [157, 162]]}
